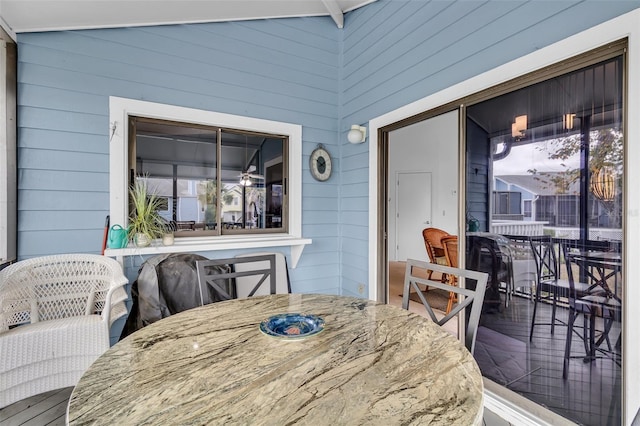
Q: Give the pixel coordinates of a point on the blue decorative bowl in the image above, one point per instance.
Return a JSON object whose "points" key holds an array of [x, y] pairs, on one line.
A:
{"points": [[292, 326]]}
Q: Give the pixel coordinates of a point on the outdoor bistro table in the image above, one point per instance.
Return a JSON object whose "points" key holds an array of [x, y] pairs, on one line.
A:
{"points": [[605, 268], [602, 271], [372, 364]]}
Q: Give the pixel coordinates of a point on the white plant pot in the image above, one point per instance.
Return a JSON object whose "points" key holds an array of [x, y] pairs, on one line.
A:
{"points": [[167, 239], [141, 240]]}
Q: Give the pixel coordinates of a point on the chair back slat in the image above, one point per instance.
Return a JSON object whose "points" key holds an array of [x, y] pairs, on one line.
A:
{"points": [[466, 297], [217, 283], [250, 286], [450, 246], [546, 259]]}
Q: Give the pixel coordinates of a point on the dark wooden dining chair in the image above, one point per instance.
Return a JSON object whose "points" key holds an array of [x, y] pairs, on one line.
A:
{"points": [[490, 254], [473, 298], [450, 246], [433, 243], [594, 272]]}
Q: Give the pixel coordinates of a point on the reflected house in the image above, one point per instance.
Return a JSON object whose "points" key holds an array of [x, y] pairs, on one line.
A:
{"points": [[193, 200], [190, 204], [186, 206], [511, 199], [232, 211], [551, 197]]}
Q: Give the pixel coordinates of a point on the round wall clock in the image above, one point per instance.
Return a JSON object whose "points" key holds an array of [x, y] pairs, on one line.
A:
{"points": [[320, 164]]}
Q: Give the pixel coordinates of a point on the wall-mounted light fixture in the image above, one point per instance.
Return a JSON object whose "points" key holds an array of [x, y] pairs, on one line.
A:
{"points": [[519, 126], [357, 134], [567, 121]]}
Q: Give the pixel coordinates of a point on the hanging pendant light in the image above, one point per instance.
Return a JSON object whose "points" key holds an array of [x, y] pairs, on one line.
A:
{"points": [[603, 184]]}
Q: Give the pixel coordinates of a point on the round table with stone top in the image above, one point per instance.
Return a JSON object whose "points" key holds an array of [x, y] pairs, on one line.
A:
{"points": [[372, 364]]}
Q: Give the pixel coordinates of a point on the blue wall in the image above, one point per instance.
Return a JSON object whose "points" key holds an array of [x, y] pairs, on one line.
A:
{"points": [[285, 70], [301, 70], [396, 52]]}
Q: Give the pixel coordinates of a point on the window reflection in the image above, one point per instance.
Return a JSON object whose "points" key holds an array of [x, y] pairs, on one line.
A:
{"points": [[544, 169], [213, 181]]}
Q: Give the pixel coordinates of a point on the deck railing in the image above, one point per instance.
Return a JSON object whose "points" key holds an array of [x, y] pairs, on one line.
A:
{"points": [[517, 227], [531, 228]]}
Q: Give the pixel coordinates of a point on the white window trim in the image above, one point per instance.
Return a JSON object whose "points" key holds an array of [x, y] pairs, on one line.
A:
{"points": [[8, 159], [627, 25], [119, 111]]}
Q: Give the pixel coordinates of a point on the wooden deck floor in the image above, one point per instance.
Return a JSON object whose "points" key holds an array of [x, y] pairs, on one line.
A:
{"points": [[591, 395], [45, 409]]}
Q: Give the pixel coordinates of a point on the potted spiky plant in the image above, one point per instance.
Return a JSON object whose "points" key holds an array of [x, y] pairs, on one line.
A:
{"points": [[145, 223]]}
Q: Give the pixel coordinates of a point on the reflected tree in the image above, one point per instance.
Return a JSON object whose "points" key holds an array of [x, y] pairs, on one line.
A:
{"points": [[605, 168], [207, 195]]}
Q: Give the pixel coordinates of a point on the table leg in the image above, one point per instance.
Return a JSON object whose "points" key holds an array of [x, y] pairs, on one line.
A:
{"points": [[590, 347]]}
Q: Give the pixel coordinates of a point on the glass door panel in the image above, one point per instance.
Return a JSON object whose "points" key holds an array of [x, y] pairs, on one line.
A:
{"points": [[545, 169]]}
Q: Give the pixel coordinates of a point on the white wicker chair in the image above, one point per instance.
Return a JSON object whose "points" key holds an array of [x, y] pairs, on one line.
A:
{"points": [[55, 316]]}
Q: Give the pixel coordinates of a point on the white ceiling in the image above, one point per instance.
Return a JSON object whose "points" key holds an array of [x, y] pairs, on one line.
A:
{"points": [[52, 15]]}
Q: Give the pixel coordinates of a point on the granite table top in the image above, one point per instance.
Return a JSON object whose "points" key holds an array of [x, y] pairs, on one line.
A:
{"points": [[372, 364]]}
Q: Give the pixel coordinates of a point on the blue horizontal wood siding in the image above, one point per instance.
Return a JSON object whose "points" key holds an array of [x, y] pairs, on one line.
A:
{"points": [[300, 70], [396, 52], [285, 70]]}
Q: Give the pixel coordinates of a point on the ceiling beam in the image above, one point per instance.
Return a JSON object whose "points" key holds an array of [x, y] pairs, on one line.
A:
{"points": [[335, 11]]}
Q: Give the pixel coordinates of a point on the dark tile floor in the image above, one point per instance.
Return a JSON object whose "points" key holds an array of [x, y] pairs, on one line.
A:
{"points": [[591, 395]]}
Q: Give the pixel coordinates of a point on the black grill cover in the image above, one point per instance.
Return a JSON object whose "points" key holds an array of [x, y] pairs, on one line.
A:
{"points": [[166, 284]]}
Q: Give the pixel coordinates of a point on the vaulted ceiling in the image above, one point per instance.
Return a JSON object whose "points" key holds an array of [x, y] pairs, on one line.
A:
{"points": [[51, 15]]}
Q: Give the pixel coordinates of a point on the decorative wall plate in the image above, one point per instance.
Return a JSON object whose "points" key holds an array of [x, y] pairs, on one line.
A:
{"points": [[292, 326]]}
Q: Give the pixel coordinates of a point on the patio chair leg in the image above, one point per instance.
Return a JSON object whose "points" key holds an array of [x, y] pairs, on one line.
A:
{"points": [[567, 346], [586, 337], [608, 322], [553, 310], [535, 308]]}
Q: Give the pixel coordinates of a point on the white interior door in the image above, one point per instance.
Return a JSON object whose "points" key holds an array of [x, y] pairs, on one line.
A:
{"points": [[427, 147], [413, 213]]}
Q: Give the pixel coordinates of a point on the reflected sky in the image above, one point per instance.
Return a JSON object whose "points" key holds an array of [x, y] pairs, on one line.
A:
{"points": [[532, 156]]}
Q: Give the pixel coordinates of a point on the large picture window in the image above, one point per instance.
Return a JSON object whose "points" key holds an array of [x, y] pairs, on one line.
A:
{"points": [[215, 180], [273, 226]]}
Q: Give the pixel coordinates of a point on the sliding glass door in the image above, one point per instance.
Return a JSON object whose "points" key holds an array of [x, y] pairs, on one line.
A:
{"points": [[544, 174]]}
